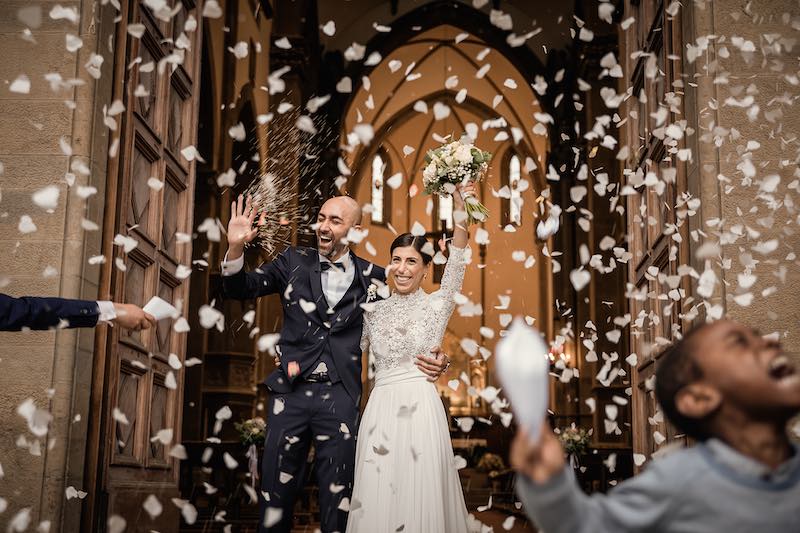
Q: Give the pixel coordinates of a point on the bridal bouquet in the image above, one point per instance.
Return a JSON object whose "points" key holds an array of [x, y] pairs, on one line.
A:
{"points": [[454, 163]]}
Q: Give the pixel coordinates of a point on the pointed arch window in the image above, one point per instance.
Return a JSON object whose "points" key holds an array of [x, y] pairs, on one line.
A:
{"points": [[380, 195], [512, 207]]}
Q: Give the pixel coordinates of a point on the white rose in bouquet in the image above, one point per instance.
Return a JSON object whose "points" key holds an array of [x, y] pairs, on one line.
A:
{"points": [[464, 153]]}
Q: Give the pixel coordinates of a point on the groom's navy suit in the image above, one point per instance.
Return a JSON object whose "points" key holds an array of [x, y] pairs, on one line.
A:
{"points": [[302, 408]]}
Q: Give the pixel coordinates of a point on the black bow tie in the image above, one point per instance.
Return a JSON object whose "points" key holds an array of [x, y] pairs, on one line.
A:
{"points": [[325, 266]]}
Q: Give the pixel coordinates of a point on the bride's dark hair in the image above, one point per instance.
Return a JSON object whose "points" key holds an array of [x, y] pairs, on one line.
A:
{"points": [[408, 239]]}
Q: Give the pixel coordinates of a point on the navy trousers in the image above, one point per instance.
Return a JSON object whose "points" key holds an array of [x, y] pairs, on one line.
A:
{"points": [[322, 413]]}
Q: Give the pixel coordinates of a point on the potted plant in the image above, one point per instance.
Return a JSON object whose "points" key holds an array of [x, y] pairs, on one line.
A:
{"points": [[575, 441], [252, 433], [492, 466]]}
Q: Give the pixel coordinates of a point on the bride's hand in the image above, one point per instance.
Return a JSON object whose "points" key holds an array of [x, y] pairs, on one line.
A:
{"points": [[462, 192], [435, 366]]}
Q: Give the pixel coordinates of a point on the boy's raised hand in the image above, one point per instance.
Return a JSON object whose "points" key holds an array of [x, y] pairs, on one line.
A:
{"points": [[541, 460]]}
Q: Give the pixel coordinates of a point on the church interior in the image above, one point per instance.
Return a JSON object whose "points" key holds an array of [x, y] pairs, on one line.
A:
{"points": [[655, 140]]}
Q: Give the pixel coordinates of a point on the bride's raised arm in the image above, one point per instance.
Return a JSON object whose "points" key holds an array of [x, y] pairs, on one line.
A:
{"points": [[460, 234], [453, 277]]}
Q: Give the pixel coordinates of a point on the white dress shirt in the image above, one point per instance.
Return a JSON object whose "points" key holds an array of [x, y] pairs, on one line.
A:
{"points": [[107, 311], [335, 281]]}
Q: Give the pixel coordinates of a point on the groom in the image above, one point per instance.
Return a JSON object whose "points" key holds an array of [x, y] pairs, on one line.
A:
{"points": [[316, 390]]}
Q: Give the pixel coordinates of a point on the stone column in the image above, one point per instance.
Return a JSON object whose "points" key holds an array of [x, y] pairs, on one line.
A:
{"points": [[52, 368], [745, 157]]}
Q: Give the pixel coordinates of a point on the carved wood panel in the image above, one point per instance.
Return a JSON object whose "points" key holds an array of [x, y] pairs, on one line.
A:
{"points": [[142, 408], [656, 254]]}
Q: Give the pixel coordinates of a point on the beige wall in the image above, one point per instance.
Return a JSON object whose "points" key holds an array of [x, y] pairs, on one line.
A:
{"points": [[52, 368], [764, 75], [733, 211]]}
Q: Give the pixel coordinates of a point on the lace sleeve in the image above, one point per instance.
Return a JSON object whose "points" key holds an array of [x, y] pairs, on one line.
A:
{"points": [[364, 338], [452, 280]]}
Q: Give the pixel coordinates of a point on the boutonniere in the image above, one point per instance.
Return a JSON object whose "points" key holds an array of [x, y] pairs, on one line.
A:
{"points": [[372, 293]]}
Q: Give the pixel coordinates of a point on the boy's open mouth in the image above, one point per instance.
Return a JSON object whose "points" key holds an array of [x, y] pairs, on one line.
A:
{"points": [[781, 367]]}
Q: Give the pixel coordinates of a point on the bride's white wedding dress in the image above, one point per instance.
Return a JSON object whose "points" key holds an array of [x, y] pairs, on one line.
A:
{"points": [[405, 475]]}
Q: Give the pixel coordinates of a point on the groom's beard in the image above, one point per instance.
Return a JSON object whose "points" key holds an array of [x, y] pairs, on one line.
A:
{"points": [[335, 250], [325, 248]]}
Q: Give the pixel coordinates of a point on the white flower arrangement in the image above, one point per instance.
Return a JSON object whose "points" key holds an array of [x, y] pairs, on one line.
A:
{"points": [[454, 163]]}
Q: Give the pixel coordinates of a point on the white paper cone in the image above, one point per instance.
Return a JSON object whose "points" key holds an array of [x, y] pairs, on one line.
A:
{"points": [[160, 309], [523, 368]]}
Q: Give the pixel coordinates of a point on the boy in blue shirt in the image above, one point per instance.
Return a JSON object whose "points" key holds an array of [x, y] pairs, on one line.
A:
{"points": [[731, 390]]}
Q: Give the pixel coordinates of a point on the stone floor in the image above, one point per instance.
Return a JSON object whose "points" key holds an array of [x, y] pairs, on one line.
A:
{"points": [[491, 518]]}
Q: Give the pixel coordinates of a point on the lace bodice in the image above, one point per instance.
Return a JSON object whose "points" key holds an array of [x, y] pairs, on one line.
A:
{"points": [[402, 326]]}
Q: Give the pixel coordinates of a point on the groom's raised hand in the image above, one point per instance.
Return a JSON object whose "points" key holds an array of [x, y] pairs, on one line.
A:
{"points": [[434, 366], [240, 226]]}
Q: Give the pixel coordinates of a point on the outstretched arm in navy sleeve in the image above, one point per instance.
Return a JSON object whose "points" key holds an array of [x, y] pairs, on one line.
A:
{"points": [[46, 313]]}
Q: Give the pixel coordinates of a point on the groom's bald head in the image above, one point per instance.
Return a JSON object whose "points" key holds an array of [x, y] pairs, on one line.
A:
{"points": [[351, 206], [335, 218]]}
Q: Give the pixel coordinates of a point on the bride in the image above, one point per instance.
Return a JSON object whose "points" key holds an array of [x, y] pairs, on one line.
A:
{"points": [[405, 474]]}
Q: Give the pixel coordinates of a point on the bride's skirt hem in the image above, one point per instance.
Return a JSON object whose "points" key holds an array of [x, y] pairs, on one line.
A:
{"points": [[405, 475]]}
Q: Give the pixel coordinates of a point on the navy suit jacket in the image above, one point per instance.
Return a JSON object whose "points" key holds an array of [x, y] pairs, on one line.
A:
{"points": [[305, 336], [46, 313]]}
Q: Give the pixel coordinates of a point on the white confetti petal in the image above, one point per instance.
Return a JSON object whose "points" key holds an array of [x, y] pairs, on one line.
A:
{"points": [[230, 462], [465, 424], [21, 85], [47, 198], [152, 506], [441, 111], [329, 28], [26, 225], [272, 516], [307, 306], [190, 153], [278, 406], [395, 181], [579, 278], [164, 436], [211, 317], [73, 43], [116, 524], [345, 85]]}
